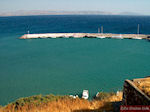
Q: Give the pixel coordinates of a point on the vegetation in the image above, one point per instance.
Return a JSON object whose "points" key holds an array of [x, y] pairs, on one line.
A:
{"points": [[51, 103], [37, 100], [104, 95], [1, 108]]}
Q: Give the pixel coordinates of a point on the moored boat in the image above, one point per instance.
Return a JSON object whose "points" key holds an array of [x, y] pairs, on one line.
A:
{"points": [[85, 94], [101, 37]]}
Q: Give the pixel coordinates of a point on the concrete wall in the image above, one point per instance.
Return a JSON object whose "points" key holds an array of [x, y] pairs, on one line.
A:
{"points": [[133, 95]]}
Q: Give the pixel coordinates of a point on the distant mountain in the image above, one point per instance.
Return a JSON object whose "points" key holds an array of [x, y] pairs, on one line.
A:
{"points": [[129, 13], [40, 12]]}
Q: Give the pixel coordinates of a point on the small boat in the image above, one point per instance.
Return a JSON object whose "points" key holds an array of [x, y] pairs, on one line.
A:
{"points": [[101, 37], [97, 94], [85, 94], [72, 96], [117, 36], [138, 38]]}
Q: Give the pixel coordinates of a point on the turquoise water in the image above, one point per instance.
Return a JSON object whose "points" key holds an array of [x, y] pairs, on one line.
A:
{"points": [[67, 66]]}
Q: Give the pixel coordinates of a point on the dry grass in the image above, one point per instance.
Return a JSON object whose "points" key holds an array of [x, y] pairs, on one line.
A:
{"points": [[63, 104], [1, 108]]}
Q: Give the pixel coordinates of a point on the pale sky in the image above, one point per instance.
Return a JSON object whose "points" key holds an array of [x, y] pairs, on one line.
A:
{"points": [[114, 6]]}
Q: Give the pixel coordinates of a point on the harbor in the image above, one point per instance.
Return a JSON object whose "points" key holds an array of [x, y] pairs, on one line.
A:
{"points": [[85, 35]]}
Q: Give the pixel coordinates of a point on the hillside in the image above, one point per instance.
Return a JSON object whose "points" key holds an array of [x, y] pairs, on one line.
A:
{"points": [[51, 103]]}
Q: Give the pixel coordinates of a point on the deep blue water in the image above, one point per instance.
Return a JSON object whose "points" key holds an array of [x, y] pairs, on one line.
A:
{"points": [[67, 66]]}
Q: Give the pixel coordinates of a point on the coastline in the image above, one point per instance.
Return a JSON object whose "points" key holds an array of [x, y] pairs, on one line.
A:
{"points": [[51, 103], [132, 94]]}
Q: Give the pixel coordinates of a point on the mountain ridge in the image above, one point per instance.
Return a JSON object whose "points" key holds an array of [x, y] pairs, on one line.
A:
{"points": [[50, 12]]}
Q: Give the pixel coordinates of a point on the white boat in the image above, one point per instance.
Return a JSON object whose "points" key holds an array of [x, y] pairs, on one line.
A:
{"points": [[138, 38], [101, 37], [97, 94], [72, 96], [85, 94], [117, 37]]}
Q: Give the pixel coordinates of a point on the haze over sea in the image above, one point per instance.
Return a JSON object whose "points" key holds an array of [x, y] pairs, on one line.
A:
{"points": [[67, 66]]}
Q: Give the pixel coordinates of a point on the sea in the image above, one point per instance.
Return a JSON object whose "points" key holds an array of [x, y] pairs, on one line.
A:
{"points": [[68, 66]]}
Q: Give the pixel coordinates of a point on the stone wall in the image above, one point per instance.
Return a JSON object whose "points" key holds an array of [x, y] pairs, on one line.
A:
{"points": [[133, 95]]}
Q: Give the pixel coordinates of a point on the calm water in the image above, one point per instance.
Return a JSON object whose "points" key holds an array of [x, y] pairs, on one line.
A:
{"points": [[67, 66]]}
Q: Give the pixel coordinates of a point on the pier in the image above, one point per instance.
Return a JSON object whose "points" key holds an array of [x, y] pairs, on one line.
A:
{"points": [[85, 35]]}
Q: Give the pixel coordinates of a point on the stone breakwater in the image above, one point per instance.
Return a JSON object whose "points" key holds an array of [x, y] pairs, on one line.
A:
{"points": [[85, 35]]}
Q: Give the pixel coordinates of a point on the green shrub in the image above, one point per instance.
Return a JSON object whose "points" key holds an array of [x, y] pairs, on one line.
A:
{"points": [[104, 95], [37, 100]]}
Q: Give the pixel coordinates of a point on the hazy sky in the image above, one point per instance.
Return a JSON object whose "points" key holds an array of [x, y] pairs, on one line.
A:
{"points": [[138, 6]]}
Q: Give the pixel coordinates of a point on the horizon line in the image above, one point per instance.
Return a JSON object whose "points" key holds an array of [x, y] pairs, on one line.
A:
{"points": [[63, 12]]}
